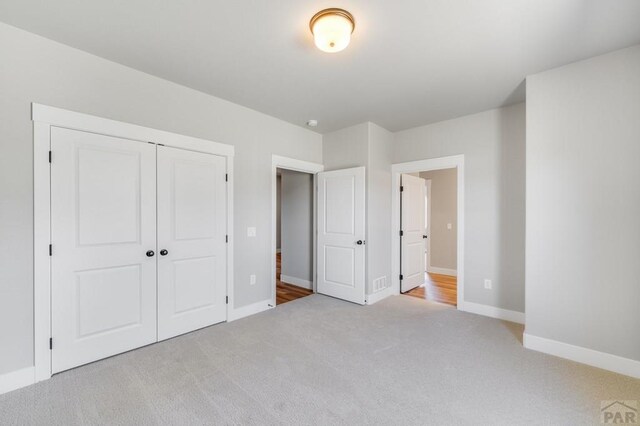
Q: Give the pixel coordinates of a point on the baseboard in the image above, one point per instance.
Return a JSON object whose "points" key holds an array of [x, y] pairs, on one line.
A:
{"points": [[17, 379], [442, 271], [245, 311], [615, 363], [297, 282], [493, 312], [379, 295]]}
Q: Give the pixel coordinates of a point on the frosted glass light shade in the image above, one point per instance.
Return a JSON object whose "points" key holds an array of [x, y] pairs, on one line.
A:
{"points": [[331, 29]]}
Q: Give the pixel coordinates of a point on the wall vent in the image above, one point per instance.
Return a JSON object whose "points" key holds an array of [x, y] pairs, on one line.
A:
{"points": [[380, 284]]}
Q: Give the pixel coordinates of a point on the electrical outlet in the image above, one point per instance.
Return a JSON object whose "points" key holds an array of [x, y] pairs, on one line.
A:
{"points": [[252, 279], [251, 231], [487, 284]]}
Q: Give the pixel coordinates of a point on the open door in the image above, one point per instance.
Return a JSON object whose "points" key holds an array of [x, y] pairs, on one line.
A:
{"points": [[412, 234], [341, 232]]}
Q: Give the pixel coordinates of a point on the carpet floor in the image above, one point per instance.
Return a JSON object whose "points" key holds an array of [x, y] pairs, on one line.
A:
{"points": [[319, 360]]}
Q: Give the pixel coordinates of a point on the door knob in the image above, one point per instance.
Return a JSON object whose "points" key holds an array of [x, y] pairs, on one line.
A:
{"points": [[424, 236], [359, 242], [163, 252], [150, 253]]}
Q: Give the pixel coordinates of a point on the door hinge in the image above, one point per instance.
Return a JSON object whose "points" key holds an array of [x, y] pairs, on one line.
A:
{"points": [[50, 343], [401, 233], [226, 177], [227, 300], [50, 249], [226, 238], [400, 277], [49, 156], [401, 188]]}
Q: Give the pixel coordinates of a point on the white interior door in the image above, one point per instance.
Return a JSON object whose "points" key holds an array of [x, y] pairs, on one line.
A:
{"points": [[412, 234], [103, 223], [191, 241], [341, 234]]}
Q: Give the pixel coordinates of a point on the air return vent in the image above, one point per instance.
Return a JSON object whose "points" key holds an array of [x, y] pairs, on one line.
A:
{"points": [[380, 284]]}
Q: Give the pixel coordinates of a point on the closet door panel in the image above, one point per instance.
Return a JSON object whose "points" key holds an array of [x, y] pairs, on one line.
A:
{"points": [[103, 223], [191, 241]]}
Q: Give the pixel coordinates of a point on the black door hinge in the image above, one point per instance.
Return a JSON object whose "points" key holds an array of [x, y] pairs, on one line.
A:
{"points": [[401, 233], [400, 277], [50, 343], [226, 238], [226, 177], [49, 156], [401, 188], [50, 249], [227, 300]]}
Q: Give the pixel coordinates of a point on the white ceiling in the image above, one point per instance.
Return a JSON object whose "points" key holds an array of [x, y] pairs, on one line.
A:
{"points": [[410, 62]]}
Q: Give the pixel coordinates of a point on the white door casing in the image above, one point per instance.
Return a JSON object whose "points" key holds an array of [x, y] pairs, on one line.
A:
{"points": [[341, 234], [103, 284], [412, 231], [191, 241], [48, 122]]}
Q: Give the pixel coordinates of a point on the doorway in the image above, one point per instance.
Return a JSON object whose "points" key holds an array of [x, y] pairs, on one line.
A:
{"points": [[428, 204], [428, 229], [293, 228], [294, 235]]}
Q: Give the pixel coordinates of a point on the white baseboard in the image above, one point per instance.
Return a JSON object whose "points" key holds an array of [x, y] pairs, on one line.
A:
{"points": [[379, 295], [442, 271], [615, 363], [17, 379], [493, 312], [297, 282], [245, 311]]}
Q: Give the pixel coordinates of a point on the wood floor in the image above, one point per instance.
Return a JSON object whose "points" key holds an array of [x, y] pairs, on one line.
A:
{"points": [[287, 292], [437, 288]]}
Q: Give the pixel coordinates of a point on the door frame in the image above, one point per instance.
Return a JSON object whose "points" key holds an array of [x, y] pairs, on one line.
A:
{"points": [[44, 117], [280, 162], [454, 161]]}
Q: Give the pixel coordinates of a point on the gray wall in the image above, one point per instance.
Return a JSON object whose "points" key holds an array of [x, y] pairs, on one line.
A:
{"points": [[493, 143], [346, 148], [297, 225], [35, 69], [379, 205], [583, 203], [444, 210]]}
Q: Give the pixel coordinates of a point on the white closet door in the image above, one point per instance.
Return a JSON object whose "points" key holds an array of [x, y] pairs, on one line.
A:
{"points": [[191, 241], [341, 232], [413, 232], [103, 214]]}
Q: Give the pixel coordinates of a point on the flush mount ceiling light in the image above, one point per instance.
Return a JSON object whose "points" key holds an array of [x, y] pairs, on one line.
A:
{"points": [[331, 29]]}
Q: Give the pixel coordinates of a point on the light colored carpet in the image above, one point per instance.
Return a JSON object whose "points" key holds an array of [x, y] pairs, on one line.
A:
{"points": [[319, 360]]}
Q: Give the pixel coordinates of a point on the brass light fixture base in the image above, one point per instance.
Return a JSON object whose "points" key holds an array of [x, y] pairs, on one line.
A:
{"points": [[333, 11]]}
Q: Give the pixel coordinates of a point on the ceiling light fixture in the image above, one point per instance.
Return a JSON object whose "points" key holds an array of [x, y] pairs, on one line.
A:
{"points": [[331, 29]]}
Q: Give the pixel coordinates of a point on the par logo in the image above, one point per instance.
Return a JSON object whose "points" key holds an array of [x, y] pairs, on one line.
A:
{"points": [[619, 412]]}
